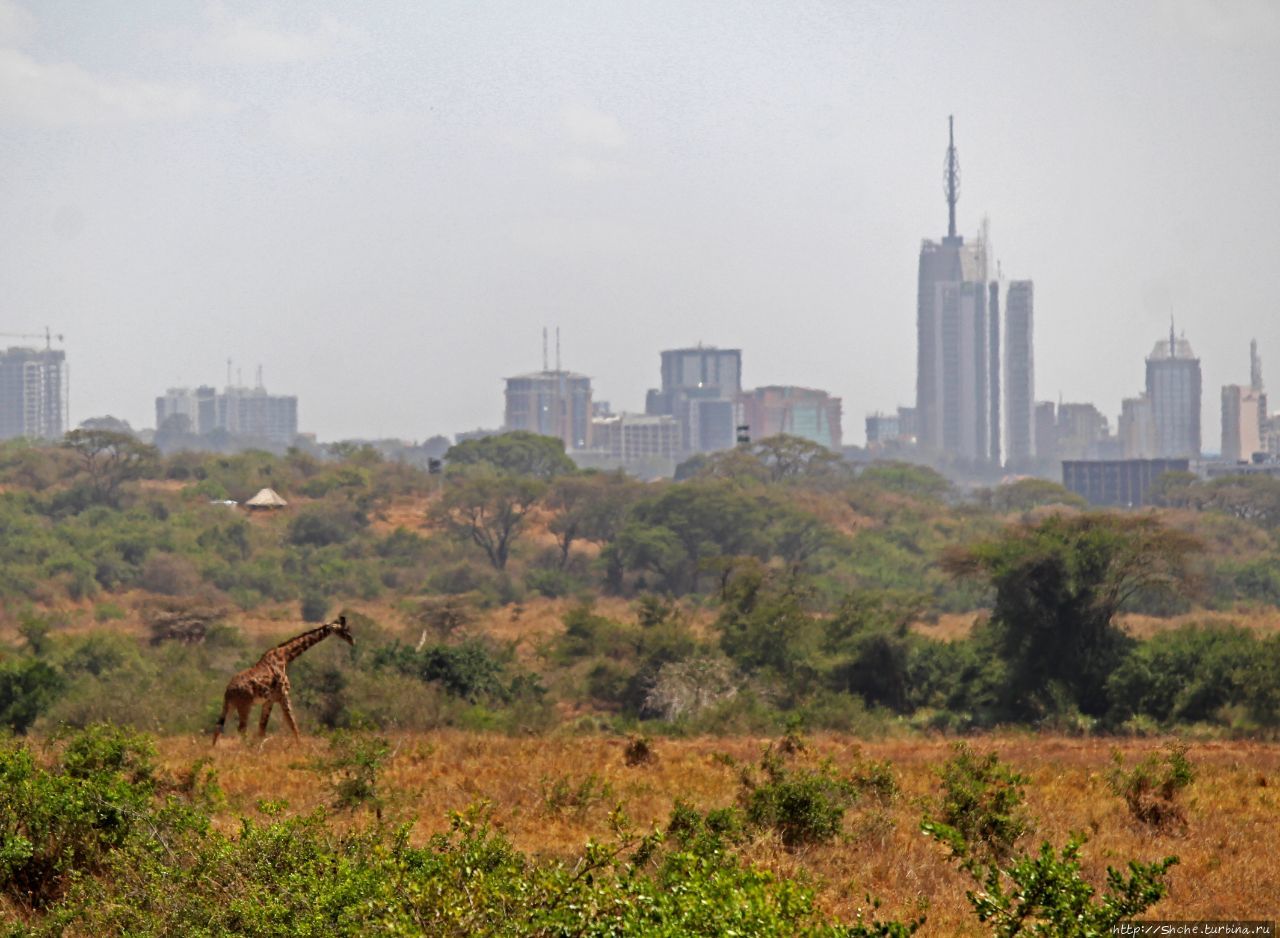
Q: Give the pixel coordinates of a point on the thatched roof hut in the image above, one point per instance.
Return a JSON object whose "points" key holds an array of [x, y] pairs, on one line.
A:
{"points": [[267, 498]]}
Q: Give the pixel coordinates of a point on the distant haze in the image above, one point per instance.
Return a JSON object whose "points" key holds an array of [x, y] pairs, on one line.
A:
{"points": [[384, 203]]}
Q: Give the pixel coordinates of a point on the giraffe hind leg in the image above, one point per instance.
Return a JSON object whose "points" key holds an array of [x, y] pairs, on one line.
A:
{"points": [[266, 715], [242, 712]]}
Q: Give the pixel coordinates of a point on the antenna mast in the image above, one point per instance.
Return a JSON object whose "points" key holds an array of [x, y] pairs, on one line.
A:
{"points": [[557, 348], [951, 177], [544, 349]]}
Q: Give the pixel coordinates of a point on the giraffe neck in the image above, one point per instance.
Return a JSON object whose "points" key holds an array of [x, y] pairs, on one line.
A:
{"points": [[296, 646]]}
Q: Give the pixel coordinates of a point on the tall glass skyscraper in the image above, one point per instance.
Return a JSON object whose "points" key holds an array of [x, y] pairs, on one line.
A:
{"points": [[1173, 387], [957, 343]]}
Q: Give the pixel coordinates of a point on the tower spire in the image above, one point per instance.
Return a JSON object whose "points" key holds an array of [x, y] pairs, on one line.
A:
{"points": [[951, 176]]}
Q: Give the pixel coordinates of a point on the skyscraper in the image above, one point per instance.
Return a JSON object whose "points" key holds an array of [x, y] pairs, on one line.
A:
{"points": [[700, 387], [33, 393], [957, 342], [1173, 387], [1019, 374]]}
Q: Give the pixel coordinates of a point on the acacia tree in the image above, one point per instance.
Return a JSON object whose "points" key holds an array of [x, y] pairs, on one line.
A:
{"points": [[519, 452], [109, 459], [488, 508], [589, 506], [689, 527], [1058, 587], [780, 458]]}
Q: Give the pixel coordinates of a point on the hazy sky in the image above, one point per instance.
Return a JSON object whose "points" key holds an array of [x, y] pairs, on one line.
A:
{"points": [[382, 203]]}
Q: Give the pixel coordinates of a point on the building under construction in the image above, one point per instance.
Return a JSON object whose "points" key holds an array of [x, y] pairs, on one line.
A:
{"points": [[551, 402], [33, 393]]}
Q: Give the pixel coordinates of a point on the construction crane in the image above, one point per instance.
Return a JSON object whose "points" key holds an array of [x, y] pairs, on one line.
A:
{"points": [[46, 335]]}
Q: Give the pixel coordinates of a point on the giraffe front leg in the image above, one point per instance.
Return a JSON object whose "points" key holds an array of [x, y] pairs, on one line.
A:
{"points": [[288, 714], [217, 730], [266, 715]]}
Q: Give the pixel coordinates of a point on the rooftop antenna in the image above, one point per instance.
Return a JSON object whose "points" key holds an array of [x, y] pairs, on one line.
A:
{"points": [[544, 349], [951, 177], [228, 371], [1173, 344], [557, 348]]}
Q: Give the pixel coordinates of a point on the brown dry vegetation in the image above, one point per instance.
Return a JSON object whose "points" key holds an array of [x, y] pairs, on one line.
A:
{"points": [[950, 627], [1227, 868]]}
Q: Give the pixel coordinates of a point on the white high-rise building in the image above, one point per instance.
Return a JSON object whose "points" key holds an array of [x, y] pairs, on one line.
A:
{"points": [[1019, 374], [1244, 413]]}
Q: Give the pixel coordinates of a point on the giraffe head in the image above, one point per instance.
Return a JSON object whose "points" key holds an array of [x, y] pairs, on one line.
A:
{"points": [[342, 630]]}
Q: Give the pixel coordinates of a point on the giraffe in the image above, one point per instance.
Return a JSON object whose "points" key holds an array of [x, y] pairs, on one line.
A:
{"points": [[267, 681]]}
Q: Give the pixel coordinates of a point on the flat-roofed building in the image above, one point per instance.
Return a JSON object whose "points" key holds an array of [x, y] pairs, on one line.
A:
{"points": [[804, 412], [1123, 483], [628, 437]]}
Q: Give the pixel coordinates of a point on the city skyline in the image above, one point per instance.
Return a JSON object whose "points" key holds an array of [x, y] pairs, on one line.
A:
{"points": [[378, 204]]}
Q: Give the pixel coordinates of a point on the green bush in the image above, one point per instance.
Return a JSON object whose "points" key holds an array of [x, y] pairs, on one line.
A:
{"points": [[315, 607], [352, 765], [802, 805], [1187, 675], [60, 821], [1151, 788], [1046, 895], [27, 689], [980, 814], [470, 670]]}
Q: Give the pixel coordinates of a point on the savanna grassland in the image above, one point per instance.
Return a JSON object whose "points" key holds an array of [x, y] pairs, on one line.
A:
{"points": [[1227, 867], [741, 702]]}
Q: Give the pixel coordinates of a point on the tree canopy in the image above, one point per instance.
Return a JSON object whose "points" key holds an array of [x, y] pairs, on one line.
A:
{"points": [[1058, 587], [518, 452]]}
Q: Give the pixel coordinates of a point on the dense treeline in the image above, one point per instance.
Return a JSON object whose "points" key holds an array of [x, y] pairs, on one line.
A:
{"points": [[772, 584]]}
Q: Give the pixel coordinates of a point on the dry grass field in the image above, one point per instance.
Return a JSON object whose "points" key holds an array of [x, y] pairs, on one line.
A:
{"points": [[1228, 865]]}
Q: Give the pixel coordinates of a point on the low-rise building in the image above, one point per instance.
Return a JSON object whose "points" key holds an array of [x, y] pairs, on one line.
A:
{"points": [[1123, 483], [804, 412]]}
